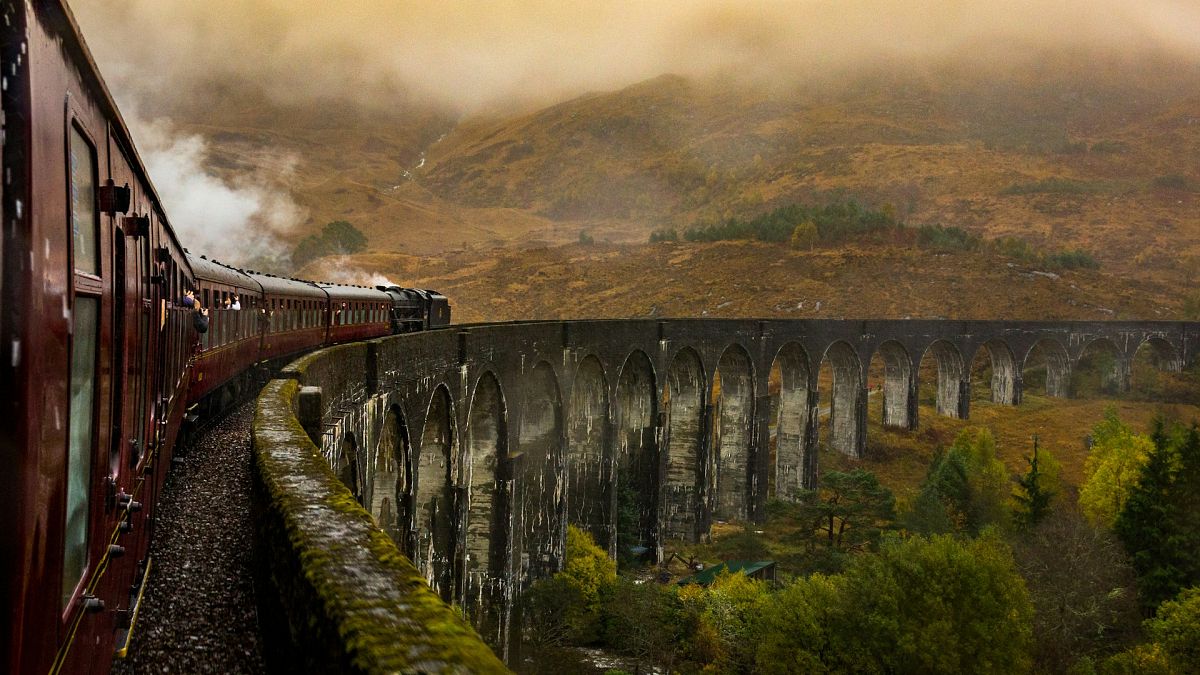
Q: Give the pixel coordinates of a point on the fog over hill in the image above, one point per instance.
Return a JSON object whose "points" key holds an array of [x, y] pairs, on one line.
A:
{"points": [[1071, 124], [467, 55]]}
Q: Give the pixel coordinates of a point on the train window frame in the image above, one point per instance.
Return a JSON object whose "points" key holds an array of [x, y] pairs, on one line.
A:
{"points": [[88, 286], [69, 597], [77, 128]]}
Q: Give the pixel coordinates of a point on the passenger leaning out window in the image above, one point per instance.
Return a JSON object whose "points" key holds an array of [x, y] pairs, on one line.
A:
{"points": [[200, 320]]}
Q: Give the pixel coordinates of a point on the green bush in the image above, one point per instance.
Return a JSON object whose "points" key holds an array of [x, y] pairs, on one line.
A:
{"points": [[664, 235], [937, 605], [836, 221], [940, 238], [1175, 181], [1073, 259]]}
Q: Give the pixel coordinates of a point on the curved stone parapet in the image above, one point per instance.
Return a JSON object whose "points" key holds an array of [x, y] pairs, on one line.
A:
{"points": [[336, 593], [474, 447]]}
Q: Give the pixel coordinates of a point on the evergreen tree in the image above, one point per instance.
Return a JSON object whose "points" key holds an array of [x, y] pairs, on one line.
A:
{"points": [[965, 490], [849, 511], [1032, 495], [336, 238], [1160, 524]]}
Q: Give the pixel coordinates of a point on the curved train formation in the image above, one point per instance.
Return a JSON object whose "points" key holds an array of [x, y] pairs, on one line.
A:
{"points": [[103, 363]]}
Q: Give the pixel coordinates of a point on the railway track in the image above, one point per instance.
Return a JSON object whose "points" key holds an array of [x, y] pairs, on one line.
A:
{"points": [[198, 614]]}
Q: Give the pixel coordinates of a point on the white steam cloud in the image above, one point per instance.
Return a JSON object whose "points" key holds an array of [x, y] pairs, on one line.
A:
{"points": [[340, 269], [467, 54], [239, 222]]}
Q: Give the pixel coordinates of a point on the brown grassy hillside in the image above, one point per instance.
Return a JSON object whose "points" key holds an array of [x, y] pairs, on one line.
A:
{"points": [[1102, 158], [1109, 166], [740, 279]]}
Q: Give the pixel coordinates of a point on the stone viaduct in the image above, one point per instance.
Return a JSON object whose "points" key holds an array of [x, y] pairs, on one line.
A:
{"points": [[474, 447]]}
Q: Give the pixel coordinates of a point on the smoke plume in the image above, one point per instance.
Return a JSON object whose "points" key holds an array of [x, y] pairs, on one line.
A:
{"points": [[239, 221]]}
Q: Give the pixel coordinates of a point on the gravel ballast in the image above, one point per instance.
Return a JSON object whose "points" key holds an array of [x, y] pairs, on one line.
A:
{"points": [[198, 614]]}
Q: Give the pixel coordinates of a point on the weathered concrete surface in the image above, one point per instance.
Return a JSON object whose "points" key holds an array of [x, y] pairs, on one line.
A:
{"points": [[337, 595], [640, 429]]}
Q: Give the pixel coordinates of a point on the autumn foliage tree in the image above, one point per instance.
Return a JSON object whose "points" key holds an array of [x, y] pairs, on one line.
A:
{"points": [[1112, 468], [965, 490]]}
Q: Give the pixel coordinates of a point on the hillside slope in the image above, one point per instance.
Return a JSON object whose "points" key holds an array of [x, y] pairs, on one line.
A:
{"points": [[1101, 157], [751, 279], [1107, 164]]}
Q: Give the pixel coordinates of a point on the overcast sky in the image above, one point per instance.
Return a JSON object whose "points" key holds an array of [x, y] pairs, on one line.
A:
{"points": [[473, 53]]}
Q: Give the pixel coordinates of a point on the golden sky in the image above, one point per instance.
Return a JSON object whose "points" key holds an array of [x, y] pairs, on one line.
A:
{"points": [[470, 54]]}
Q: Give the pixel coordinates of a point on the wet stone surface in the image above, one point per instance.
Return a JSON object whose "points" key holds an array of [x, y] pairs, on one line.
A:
{"points": [[198, 614]]}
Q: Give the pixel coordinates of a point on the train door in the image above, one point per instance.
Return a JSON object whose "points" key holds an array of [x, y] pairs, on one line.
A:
{"points": [[120, 350]]}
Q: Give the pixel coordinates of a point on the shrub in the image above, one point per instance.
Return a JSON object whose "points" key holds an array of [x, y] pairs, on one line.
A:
{"points": [[1072, 260], [663, 235], [835, 221], [1175, 181], [937, 605], [940, 238], [805, 235]]}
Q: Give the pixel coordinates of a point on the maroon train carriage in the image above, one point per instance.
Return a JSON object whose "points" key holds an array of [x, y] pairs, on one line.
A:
{"points": [[293, 314], [94, 351], [357, 313], [99, 351], [234, 339]]}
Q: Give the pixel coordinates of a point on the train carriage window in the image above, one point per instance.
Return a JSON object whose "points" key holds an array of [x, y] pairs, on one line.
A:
{"points": [[82, 167], [80, 439]]}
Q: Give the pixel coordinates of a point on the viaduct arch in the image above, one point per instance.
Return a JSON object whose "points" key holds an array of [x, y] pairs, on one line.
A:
{"points": [[474, 447]]}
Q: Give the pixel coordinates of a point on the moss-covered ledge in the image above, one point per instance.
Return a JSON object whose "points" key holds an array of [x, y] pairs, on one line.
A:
{"points": [[335, 593]]}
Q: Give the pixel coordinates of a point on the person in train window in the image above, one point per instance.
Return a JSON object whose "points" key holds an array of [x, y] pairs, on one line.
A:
{"points": [[227, 303], [237, 303], [189, 298], [200, 320]]}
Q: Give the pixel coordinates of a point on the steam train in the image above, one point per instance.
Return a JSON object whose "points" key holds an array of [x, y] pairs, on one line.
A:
{"points": [[102, 359]]}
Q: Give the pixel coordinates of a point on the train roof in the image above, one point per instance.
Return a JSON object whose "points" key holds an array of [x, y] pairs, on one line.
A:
{"points": [[409, 292], [344, 293], [211, 270], [273, 285]]}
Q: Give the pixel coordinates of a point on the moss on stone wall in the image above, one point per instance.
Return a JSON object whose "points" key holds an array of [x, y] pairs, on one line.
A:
{"points": [[344, 598]]}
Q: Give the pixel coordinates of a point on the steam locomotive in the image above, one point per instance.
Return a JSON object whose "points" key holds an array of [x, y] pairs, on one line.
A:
{"points": [[101, 358]]}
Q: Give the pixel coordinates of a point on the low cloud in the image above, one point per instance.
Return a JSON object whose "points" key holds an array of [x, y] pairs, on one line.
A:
{"points": [[467, 55]]}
